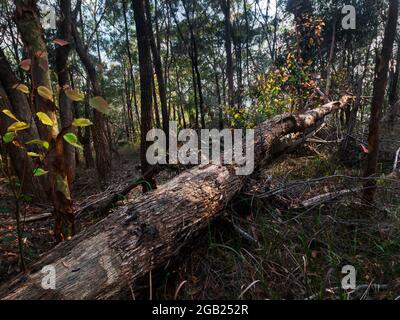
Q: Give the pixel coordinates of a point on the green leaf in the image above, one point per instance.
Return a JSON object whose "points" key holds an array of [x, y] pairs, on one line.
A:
{"points": [[81, 122], [74, 95], [42, 143], [72, 140], [45, 93], [100, 105], [9, 114], [18, 126], [45, 119], [37, 172], [21, 87], [8, 137]]}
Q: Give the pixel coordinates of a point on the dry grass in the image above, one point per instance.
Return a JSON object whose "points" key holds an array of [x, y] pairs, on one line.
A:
{"points": [[269, 247]]}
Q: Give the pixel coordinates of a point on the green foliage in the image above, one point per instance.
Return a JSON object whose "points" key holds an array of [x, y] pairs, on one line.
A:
{"points": [[37, 172], [8, 137], [39, 142], [72, 140]]}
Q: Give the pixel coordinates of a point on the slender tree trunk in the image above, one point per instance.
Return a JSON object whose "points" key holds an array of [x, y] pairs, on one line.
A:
{"points": [[393, 91], [99, 134], [195, 62], [159, 72], [220, 115], [146, 75], [226, 8], [330, 59], [128, 49], [65, 104], [155, 103], [380, 82]]}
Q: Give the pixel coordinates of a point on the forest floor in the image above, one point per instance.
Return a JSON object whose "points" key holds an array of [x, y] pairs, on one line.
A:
{"points": [[269, 244]]}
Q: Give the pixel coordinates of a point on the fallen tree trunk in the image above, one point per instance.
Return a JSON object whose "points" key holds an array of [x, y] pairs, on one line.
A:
{"points": [[111, 258]]}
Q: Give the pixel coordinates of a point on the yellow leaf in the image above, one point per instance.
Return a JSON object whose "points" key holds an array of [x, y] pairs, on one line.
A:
{"points": [[100, 105], [18, 126], [45, 119], [81, 122], [45, 93], [74, 95], [21, 87], [8, 113], [33, 154]]}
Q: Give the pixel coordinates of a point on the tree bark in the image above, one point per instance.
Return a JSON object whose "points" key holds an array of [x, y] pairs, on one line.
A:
{"points": [[65, 104], [18, 103], [58, 189], [226, 8], [380, 82], [113, 257], [28, 23], [101, 147], [128, 49], [159, 71], [146, 76], [393, 90]]}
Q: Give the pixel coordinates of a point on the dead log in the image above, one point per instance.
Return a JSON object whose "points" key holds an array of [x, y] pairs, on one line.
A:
{"points": [[112, 257]]}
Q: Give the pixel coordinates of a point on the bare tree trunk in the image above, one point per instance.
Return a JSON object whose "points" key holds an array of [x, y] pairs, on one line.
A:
{"points": [[155, 103], [380, 82], [226, 8], [99, 134], [65, 104], [195, 62], [330, 59], [114, 257], [146, 76], [159, 72], [393, 90], [128, 49]]}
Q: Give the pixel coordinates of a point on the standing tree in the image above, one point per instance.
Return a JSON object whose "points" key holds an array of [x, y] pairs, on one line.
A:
{"points": [[380, 82], [146, 76], [226, 8]]}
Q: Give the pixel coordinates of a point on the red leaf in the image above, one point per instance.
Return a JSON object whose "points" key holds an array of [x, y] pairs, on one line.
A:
{"points": [[61, 42], [364, 149], [25, 64]]}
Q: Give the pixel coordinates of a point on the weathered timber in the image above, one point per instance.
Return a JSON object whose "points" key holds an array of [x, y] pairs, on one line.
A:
{"points": [[110, 258]]}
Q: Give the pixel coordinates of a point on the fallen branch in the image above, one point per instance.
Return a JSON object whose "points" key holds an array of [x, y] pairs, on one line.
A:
{"points": [[327, 197], [114, 257]]}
